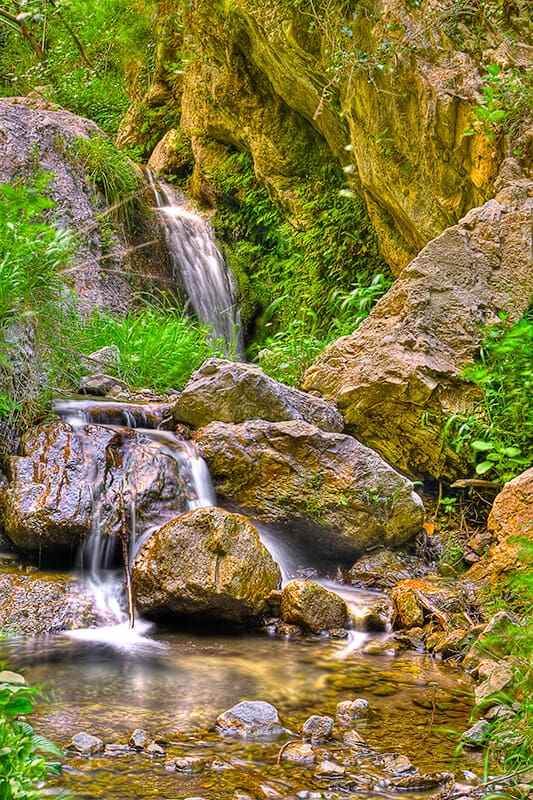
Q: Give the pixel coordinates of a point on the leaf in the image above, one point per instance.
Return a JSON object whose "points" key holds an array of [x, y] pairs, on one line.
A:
{"points": [[18, 705], [481, 446], [497, 116], [484, 467]]}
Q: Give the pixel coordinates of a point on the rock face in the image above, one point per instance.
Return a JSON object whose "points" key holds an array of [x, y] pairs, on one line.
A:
{"points": [[313, 607], [327, 487], [292, 70], [234, 392], [511, 523], [397, 378], [63, 484], [207, 562], [33, 605]]}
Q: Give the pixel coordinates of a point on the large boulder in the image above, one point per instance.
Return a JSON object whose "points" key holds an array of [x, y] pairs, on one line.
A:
{"points": [[229, 391], [207, 562], [511, 523], [37, 604], [330, 489], [397, 379], [66, 482]]}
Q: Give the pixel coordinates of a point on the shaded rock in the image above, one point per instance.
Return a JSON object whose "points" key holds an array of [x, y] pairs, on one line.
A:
{"points": [[251, 718], [36, 604], [100, 384], [312, 606], [155, 750], [230, 391], [511, 523], [335, 494], [106, 359], [397, 379], [298, 753], [86, 744], [62, 484], [318, 728], [348, 711], [477, 734], [207, 561], [381, 569]]}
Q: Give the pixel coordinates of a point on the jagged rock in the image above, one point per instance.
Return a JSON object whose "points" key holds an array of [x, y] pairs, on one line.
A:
{"points": [[229, 391], [330, 490], [62, 484], [37, 604], [86, 743], [318, 728], [496, 637], [208, 562], [511, 524], [397, 379], [397, 764], [477, 734], [251, 718], [312, 606]]}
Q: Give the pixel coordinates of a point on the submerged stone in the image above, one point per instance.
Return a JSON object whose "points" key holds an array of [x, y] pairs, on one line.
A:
{"points": [[209, 562], [251, 718]]}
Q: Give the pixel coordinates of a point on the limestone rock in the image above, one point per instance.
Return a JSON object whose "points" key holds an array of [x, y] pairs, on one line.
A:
{"points": [[37, 604], [230, 391], [207, 561], [397, 379], [332, 491], [49, 500], [251, 718], [312, 606]]}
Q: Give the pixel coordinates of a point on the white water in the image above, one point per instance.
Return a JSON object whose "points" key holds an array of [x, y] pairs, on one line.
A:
{"points": [[199, 267]]}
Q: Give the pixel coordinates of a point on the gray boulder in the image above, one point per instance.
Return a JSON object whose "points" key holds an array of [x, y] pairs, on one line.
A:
{"points": [[251, 718], [328, 488], [207, 562], [229, 391]]}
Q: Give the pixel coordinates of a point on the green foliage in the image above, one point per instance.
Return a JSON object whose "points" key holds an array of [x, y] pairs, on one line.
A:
{"points": [[500, 437], [159, 347], [23, 754]]}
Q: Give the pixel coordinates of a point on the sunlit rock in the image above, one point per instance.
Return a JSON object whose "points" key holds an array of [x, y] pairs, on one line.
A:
{"points": [[207, 562], [298, 753], [230, 391], [317, 728], [348, 711], [312, 607], [86, 743], [326, 489]]}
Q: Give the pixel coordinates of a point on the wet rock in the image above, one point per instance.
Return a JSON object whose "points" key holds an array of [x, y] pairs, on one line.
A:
{"points": [[230, 391], [382, 569], [397, 379], [477, 734], [188, 764], [421, 782], [335, 494], [312, 606], [348, 711], [155, 750], [139, 739], [415, 600], [397, 764], [101, 384], [352, 738], [62, 484], [251, 718], [298, 753], [37, 604], [86, 744], [317, 728], [208, 562], [329, 769]]}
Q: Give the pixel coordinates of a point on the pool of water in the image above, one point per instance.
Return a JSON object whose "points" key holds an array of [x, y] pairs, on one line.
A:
{"points": [[174, 685]]}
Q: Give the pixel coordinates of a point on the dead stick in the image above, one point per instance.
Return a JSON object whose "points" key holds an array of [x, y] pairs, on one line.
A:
{"points": [[125, 558]]}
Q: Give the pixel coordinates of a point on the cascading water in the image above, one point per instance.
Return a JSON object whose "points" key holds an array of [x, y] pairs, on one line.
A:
{"points": [[199, 267]]}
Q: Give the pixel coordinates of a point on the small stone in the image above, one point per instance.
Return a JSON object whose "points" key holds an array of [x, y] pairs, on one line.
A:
{"points": [[350, 710], [501, 677], [250, 718], [86, 744], [100, 385], [139, 739], [477, 734], [421, 782], [155, 750], [329, 769], [189, 764], [397, 764], [218, 763], [317, 728], [313, 607], [354, 739], [298, 753], [6, 676]]}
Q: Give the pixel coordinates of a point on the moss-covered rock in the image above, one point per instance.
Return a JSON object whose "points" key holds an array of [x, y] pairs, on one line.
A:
{"points": [[312, 607]]}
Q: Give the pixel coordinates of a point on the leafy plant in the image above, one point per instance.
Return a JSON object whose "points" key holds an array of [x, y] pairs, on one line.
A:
{"points": [[23, 753], [490, 110]]}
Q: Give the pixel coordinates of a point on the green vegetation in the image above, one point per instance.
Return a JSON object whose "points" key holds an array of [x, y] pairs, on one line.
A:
{"points": [[75, 53], [23, 754], [499, 439], [302, 285]]}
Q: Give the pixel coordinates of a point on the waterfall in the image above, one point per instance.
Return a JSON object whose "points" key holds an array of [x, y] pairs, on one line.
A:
{"points": [[200, 270]]}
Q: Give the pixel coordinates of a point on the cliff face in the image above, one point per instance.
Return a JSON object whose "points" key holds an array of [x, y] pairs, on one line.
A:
{"points": [[386, 87]]}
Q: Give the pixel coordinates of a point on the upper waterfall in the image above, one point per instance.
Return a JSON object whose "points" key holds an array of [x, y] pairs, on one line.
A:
{"points": [[200, 270]]}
